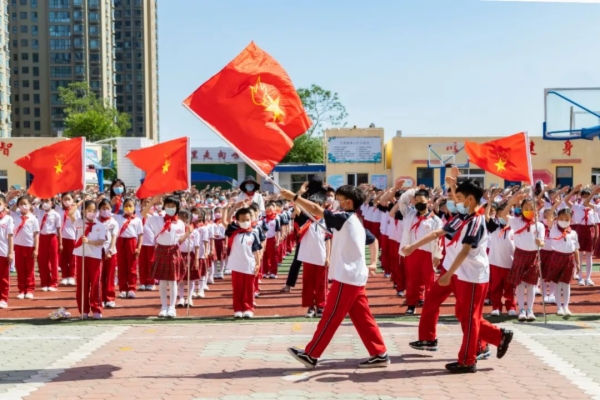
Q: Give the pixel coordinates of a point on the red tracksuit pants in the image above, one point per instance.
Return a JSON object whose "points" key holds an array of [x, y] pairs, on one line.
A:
{"points": [[127, 264], [67, 259], [314, 285], [342, 300], [145, 265], [90, 286], [384, 258], [109, 265], [243, 291], [4, 278], [48, 260], [270, 258], [499, 286], [419, 273], [24, 263]]}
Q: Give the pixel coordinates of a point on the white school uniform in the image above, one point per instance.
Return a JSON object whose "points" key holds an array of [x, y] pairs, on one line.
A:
{"points": [[582, 215], [203, 239], [313, 245], [148, 239], [171, 236], [272, 226], [476, 266], [111, 227], [68, 229], [133, 230], [52, 224], [98, 232], [189, 245], [502, 248], [241, 257], [568, 245], [219, 231], [7, 227], [25, 237], [526, 239]]}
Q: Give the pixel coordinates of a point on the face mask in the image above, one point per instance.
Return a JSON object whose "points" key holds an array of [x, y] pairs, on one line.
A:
{"points": [[563, 224], [461, 209], [118, 190], [517, 210], [105, 213], [170, 211], [209, 201], [12, 202], [245, 224], [197, 200], [450, 206], [249, 187], [128, 210], [67, 203], [421, 206], [330, 200], [222, 198], [24, 209], [336, 205], [545, 221], [217, 216], [194, 218], [528, 214], [158, 207], [90, 215], [502, 221], [46, 206]]}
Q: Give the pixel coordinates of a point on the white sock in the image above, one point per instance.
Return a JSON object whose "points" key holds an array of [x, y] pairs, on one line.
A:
{"points": [[202, 285], [544, 286], [588, 265], [521, 296], [180, 288], [224, 265], [172, 290], [530, 296], [552, 289], [162, 290], [212, 270], [191, 290], [196, 286], [566, 289]]}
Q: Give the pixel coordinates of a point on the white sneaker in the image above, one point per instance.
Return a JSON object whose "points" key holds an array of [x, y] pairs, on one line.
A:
{"points": [[201, 294], [142, 287], [576, 277], [181, 302], [52, 289], [227, 272], [162, 313], [589, 282], [512, 313], [3, 304], [238, 314], [64, 282], [171, 313], [131, 294], [560, 312], [546, 299], [85, 316], [248, 314], [29, 296], [537, 290], [97, 315], [123, 295], [190, 302], [568, 312], [552, 299], [530, 315], [72, 282], [581, 282], [150, 287], [495, 313], [110, 304], [44, 289], [21, 296], [522, 316], [211, 280]]}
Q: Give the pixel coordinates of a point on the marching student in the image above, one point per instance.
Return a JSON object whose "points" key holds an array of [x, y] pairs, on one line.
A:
{"points": [[395, 231], [219, 240], [349, 272], [273, 234], [189, 252], [565, 257], [169, 232], [91, 236], [129, 245], [50, 237], [7, 253], [468, 275], [529, 237], [244, 262], [421, 264], [67, 260], [26, 244], [117, 193], [546, 253], [260, 228], [109, 254], [198, 217], [584, 223], [146, 257]]}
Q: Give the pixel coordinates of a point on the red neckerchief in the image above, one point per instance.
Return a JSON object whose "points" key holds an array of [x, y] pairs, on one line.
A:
{"points": [[66, 213], [44, 218], [547, 228], [304, 228], [234, 234], [118, 203], [564, 233], [270, 217], [528, 223], [504, 231], [23, 221], [218, 221], [167, 225], [126, 224], [464, 223], [88, 228], [421, 218], [586, 212], [103, 219], [198, 224], [250, 195], [3, 214]]}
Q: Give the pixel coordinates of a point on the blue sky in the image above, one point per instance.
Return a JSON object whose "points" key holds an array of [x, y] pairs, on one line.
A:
{"points": [[426, 67]]}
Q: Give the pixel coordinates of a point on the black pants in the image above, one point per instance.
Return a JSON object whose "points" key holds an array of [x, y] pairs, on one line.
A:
{"points": [[294, 269]]}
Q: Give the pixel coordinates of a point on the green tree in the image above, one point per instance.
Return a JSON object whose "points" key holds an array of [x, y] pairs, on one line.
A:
{"points": [[88, 116], [325, 110]]}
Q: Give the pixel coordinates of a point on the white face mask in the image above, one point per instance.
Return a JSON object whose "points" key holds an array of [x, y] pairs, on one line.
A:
{"points": [[563, 224], [170, 211], [336, 205], [46, 206], [90, 215], [158, 207], [330, 200], [24, 209], [67, 203], [245, 224]]}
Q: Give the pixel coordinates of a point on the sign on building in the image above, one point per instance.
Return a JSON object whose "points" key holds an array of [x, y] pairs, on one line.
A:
{"points": [[354, 150], [215, 155]]}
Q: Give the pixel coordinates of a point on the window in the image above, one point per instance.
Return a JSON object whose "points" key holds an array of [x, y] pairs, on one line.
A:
{"points": [[60, 16], [15, 70], [596, 176], [37, 126], [26, 124], [60, 30], [95, 85], [24, 43], [24, 56], [23, 15], [57, 112], [78, 29], [94, 43], [23, 2], [61, 72], [425, 176], [34, 30], [35, 44], [35, 57], [472, 173], [17, 125], [34, 16], [15, 43], [36, 112], [564, 176], [15, 30], [94, 17], [16, 96], [54, 85], [17, 111], [93, 3], [94, 57], [59, 3], [78, 43], [24, 28], [26, 83], [26, 111], [77, 15], [24, 70], [34, 3], [60, 58], [55, 99], [26, 97], [60, 44], [36, 97], [79, 70], [357, 179], [94, 30], [297, 180]]}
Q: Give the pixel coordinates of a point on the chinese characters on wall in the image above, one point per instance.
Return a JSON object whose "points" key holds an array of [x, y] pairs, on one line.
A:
{"points": [[5, 148], [215, 155]]}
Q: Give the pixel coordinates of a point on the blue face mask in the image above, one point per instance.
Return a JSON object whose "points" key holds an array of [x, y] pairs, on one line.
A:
{"points": [[222, 198], [12, 202], [208, 201], [461, 209], [502, 221], [451, 206], [249, 187], [517, 210], [118, 190]]}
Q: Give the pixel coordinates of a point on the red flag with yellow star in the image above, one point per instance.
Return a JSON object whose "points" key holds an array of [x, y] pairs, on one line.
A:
{"points": [[253, 105], [167, 167], [507, 158], [57, 168]]}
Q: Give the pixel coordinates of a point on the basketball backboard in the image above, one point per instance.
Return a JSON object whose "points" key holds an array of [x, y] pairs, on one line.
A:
{"points": [[442, 155], [571, 113]]}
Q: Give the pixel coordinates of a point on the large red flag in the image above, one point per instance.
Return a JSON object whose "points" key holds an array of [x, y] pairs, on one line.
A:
{"points": [[507, 158], [253, 105], [166, 166], [57, 168]]}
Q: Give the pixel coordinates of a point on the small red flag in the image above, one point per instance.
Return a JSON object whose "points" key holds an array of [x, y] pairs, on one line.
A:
{"points": [[57, 168], [507, 158], [253, 105], [166, 166]]}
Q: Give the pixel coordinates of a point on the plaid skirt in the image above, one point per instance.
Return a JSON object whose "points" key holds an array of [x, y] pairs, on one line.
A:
{"points": [[194, 269], [220, 249], [546, 256], [586, 234], [562, 266], [167, 263], [525, 268]]}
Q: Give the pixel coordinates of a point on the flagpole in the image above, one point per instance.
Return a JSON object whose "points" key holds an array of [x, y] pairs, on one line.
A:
{"points": [[253, 165], [536, 220], [188, 274], [82, 256]]}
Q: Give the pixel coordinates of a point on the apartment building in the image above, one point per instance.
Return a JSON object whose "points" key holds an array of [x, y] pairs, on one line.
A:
{"points": [[5, 107]]}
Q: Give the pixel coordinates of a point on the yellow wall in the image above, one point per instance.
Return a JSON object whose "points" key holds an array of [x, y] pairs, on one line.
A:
{"points": [[350, 168], [20, 147]]}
